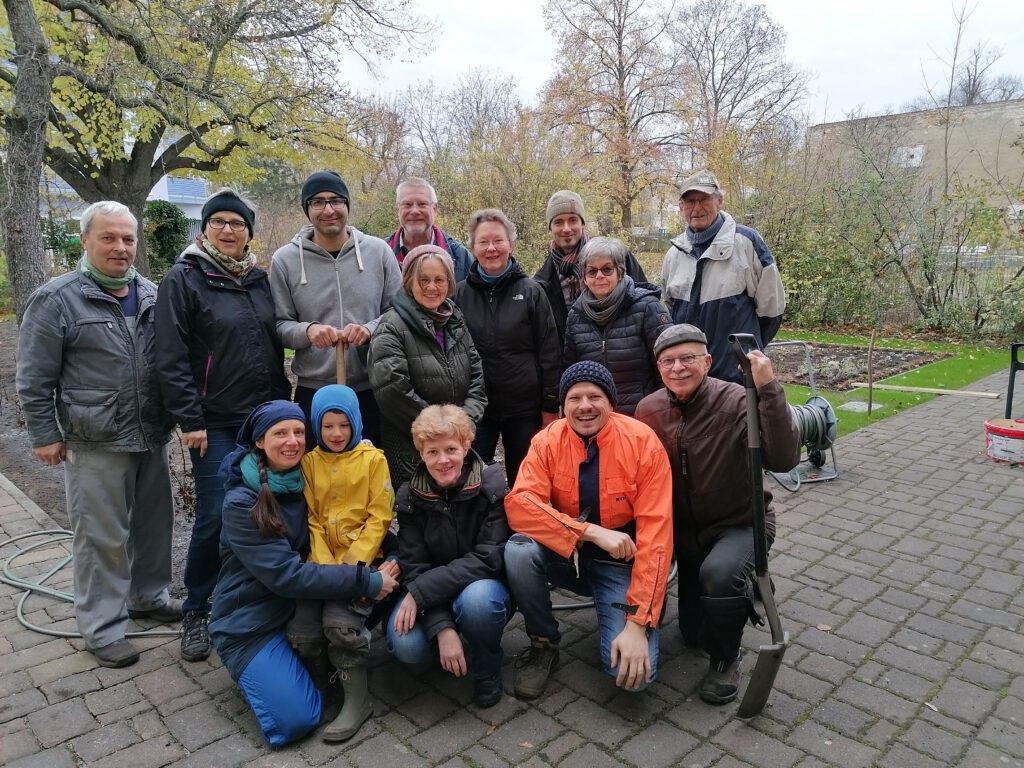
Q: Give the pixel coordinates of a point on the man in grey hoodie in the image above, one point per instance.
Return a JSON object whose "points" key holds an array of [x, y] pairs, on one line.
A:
{"points": [[331, 284]]}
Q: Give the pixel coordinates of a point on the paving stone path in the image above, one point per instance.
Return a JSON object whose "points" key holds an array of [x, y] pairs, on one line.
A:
{"points": [[901, 585]]}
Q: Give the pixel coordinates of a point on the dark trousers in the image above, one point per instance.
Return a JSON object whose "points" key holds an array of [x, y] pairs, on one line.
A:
{"points": [[515, 435], [715, 594]]}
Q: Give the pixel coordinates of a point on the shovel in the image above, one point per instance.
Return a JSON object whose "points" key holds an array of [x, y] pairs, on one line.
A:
{"points": [[769, 657], [339, 362]]}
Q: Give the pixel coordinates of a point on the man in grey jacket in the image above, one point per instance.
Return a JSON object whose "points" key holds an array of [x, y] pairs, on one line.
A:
{"points": [[87, 382], [331, 284]]}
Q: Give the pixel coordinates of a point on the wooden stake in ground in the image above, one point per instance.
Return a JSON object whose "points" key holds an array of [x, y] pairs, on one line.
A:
{"points": [[871, 378]]}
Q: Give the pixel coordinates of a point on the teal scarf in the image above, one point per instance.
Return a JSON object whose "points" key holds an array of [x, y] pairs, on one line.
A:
{"points": [[106, 282], [279, 482]]}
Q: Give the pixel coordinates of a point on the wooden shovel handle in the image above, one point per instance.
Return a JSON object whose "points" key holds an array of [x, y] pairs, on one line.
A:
{"points": [[339, 361]]}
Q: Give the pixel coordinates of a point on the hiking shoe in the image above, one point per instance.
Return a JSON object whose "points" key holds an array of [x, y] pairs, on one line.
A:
{"points": [[117, 654], [487, 691], [195, 635], [722, 681], [169, 611], [534, 667]]}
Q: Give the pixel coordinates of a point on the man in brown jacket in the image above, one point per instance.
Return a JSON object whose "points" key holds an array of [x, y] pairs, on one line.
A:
{"points": [[702, 423]]}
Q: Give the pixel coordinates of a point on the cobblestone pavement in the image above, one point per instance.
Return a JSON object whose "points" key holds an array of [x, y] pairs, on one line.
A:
{"points": [[900, 584]]}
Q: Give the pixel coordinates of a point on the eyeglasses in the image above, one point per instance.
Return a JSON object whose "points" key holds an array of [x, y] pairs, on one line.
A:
{"points": [[426, 282], [670, 362], [485, 244], [319, 203], [235, 225], [606, 271]]}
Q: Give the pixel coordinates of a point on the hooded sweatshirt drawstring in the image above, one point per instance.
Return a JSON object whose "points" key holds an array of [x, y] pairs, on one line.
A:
{"points": [[302, 256]]}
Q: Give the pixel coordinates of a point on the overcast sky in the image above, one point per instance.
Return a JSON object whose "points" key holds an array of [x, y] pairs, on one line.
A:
{"points": [[873, 55]]}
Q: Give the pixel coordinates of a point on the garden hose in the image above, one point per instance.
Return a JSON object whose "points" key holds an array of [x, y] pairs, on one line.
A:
{"points": [[50, 538]]}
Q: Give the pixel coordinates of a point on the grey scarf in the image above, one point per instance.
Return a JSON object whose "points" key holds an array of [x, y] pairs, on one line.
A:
{"points": [[603, 311]]}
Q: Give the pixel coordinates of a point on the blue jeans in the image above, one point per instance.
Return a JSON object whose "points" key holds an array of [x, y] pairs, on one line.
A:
{"points": [[203, 562], [481, 611], [530, 567]]}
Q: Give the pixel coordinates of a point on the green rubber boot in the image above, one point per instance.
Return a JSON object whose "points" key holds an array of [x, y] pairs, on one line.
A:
{"points": [[356, 709]]}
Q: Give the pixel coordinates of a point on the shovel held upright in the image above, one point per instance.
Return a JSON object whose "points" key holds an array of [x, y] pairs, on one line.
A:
{"points": [[769, 657]]}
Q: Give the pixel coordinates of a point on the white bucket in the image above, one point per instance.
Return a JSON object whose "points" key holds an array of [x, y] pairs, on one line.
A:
{"points": [[1004, 440]]}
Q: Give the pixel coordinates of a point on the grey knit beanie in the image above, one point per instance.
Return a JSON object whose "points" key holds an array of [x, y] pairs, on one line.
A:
{"points": [[565, 201]]}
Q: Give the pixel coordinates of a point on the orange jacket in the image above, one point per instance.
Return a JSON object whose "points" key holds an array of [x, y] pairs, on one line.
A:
{"points": [[636, 484]]}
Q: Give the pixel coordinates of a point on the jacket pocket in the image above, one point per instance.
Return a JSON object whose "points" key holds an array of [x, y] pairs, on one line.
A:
{"points": [[90, 415]]}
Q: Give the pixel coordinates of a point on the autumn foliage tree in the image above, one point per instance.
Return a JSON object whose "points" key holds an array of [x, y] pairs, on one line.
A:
{"points": [[143, 88]]}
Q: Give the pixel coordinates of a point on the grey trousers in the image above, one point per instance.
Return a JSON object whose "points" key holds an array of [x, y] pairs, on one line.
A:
{"points": [[122, 514]]}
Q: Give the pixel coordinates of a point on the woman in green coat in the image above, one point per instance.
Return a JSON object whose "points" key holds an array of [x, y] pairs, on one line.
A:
{"points": [[422, 354]]}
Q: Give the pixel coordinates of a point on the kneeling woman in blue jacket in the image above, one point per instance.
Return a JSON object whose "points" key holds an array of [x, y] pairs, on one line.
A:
{"points": [[264, 543]]}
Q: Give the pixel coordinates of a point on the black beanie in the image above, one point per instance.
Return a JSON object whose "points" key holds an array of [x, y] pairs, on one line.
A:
{"points": [[228, 201], [589, 371], [323, 181]]}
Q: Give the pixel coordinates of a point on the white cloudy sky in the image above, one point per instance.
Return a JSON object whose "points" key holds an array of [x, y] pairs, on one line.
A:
{"points": [[868, 54]]}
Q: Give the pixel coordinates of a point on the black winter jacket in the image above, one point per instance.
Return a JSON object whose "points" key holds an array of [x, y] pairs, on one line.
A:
{"points": [[624, 345], [514, 331], [217, 347], [444, 545], [548, 277]]}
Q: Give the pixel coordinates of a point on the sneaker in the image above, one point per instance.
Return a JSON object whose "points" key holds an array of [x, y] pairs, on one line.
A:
{"points": [[195, 635], [169, 611], [534, 667], [487, 691], [117, 654], [722, 681]]}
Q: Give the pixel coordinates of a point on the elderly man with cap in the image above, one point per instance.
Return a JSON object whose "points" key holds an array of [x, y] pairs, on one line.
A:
{"points": [[702, 423], [416, 202], [560, 273], [720, 275], [591, 509], [331, 284]]}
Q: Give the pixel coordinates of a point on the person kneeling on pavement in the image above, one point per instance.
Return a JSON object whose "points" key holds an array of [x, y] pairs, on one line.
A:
{"points": [[591, 508], [264, 544], [702, 423], [452, 531]]}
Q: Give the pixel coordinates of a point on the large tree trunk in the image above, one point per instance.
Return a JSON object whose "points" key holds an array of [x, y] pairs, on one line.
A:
{"points": [[23, 165]]}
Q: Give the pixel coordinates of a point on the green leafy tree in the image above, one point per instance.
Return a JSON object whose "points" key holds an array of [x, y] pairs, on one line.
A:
{"points": [[166, 231]]}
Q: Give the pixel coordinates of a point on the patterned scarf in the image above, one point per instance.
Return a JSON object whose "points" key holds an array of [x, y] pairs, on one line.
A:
{"points": [[568, 267], [238, 267]]}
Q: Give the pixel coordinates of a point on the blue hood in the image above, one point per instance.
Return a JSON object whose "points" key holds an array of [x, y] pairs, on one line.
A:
{"points": [[336, 397]]}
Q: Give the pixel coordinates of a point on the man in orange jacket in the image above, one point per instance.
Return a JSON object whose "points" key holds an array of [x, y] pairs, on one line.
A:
{"points": [[592, 512]]}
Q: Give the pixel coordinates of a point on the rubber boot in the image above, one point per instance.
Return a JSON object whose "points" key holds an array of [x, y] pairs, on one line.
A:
{"points": [[357, 708]]}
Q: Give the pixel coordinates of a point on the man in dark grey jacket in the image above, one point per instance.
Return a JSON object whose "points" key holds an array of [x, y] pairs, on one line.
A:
{"points": [[88, 387]]}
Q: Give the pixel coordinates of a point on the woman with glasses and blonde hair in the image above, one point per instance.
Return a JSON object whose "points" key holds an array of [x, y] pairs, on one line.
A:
{"points": [[615, 322], [421, 354], [219, 356]]}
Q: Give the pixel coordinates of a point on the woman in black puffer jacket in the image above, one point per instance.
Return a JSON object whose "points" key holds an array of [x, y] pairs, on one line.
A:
{"points": [[514, 330], [615, 322]]}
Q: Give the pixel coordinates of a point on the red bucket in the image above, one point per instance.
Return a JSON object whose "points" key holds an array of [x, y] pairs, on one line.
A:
{"points": [[1004, 440]]}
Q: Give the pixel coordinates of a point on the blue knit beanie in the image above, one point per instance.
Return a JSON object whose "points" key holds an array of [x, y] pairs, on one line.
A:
{"points": [[336, 397], [589, 371]]}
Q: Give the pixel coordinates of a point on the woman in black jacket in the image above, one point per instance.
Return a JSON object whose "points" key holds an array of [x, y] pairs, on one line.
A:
{"points": [[451, 539], [514, 331], [615, 322], [219, 357]]}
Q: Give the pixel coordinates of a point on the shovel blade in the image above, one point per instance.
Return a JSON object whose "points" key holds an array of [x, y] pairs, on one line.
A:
{"points": [[769, 659]]}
